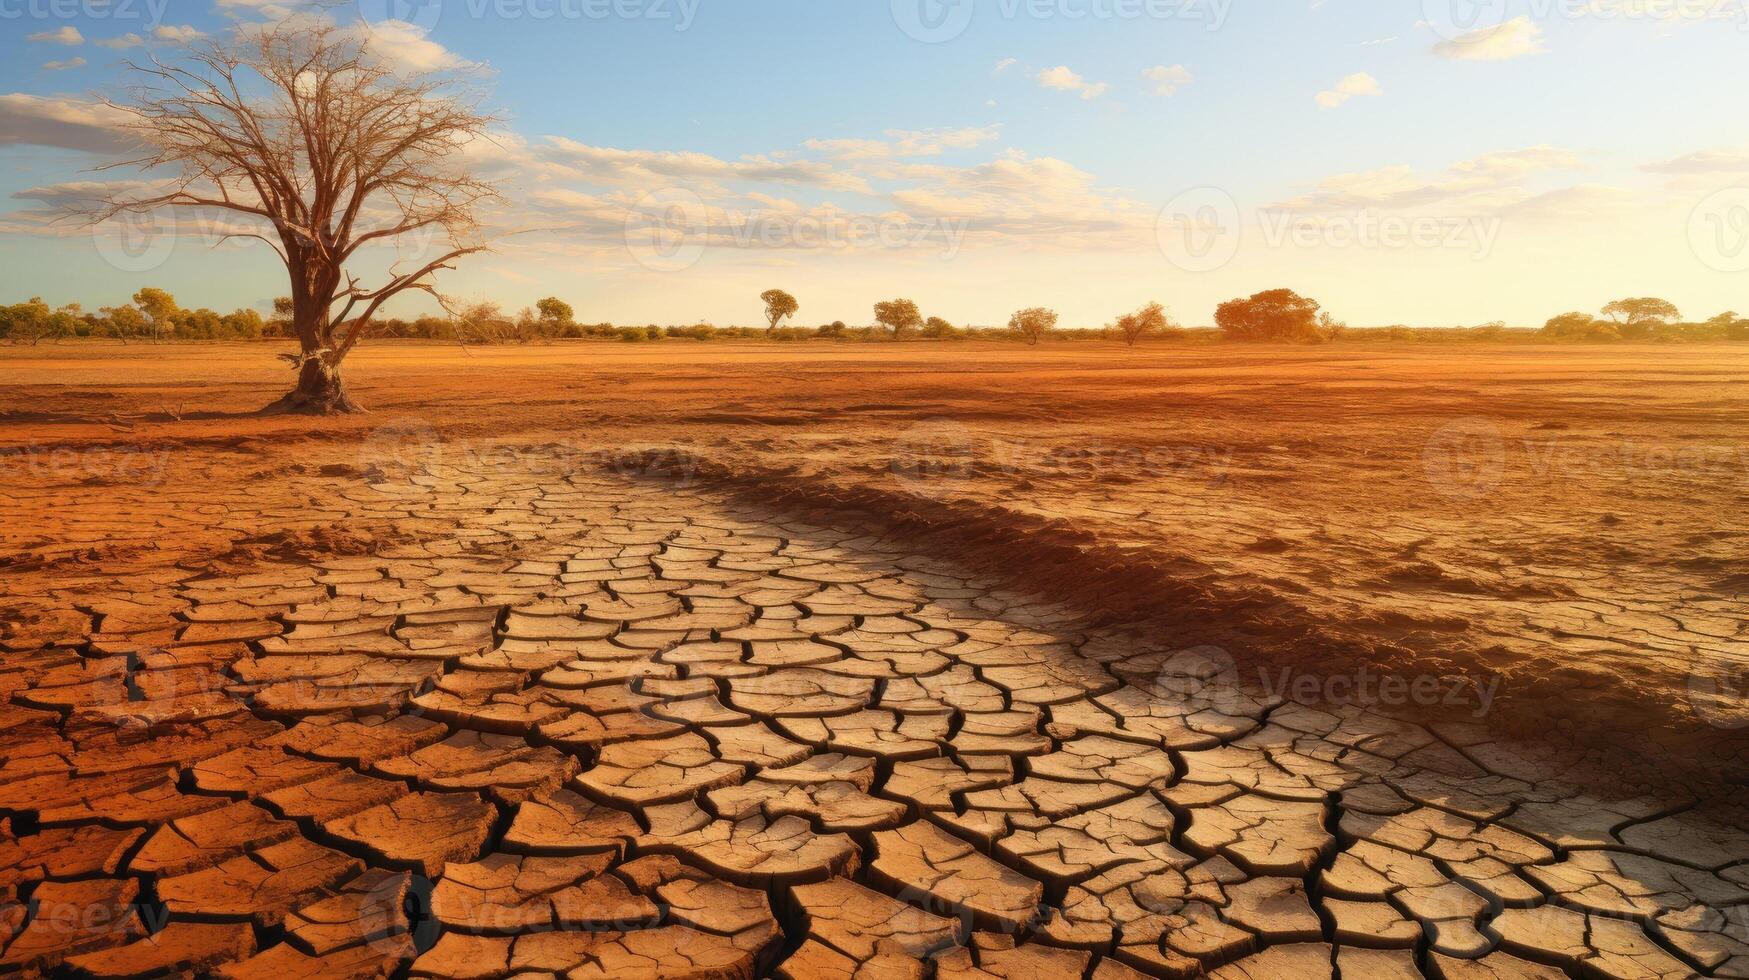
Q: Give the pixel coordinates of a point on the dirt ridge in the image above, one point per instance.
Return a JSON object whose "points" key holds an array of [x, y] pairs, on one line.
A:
{"points": [[1175, 601]]}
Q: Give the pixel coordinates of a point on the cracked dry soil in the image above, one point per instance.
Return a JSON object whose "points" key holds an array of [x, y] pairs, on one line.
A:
{"points": [[586, 724]]}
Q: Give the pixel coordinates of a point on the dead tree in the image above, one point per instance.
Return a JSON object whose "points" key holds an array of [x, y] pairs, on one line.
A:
{"points": [[298, 127]]}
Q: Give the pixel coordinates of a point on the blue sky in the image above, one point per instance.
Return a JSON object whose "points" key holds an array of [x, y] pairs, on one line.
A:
{"points": [[1402, 162]]}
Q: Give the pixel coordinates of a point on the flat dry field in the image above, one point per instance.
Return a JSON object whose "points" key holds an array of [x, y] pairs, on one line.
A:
{"points": [[701, 659]]}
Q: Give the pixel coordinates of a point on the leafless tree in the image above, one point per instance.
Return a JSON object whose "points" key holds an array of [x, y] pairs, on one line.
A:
{"points": [[298, 127]]}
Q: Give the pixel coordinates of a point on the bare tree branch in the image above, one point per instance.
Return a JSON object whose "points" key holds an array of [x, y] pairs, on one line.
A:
{"points": [[298, 126]]}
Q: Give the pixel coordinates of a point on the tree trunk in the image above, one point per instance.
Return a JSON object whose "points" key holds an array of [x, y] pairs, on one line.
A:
{"points": [[320, 391]]}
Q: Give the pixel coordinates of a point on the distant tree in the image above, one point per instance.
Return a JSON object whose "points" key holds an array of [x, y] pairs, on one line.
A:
{"points": [[1148, 321], [1033, 323], [898, 315], [1579, 326], [835, 329], [25, 322], [1330, 328], [555, 313], [1272, 315], [936, 328], [126, 322], [160, 309], [201, 324], [483, 323], [1636, 317], [778, 304], [280, 323], [1730, 325]]}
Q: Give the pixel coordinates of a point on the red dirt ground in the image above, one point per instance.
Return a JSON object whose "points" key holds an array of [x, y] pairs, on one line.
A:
{"points": [[712, 660]]}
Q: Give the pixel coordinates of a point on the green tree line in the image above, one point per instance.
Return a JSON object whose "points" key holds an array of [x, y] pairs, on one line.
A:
{"points": [[1274, 316]]}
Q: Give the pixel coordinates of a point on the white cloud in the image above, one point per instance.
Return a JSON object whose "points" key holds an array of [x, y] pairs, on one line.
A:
{"points": [[71, 124], [1064, 80], [656, 168], [1043, 200], [406, 47], [1669, 11], [1358, 84], [84, 193], [1004, 65], [1719, 160], [124, 41], [907, 143], [66, 35], [177, 34], [1516, 38], [64, 65], [1167, 79], [265, 9], [1580, 204], [1479, 185]]}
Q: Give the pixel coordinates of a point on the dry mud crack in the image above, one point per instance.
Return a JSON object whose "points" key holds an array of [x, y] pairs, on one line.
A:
{"points": [[589, 726]]}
